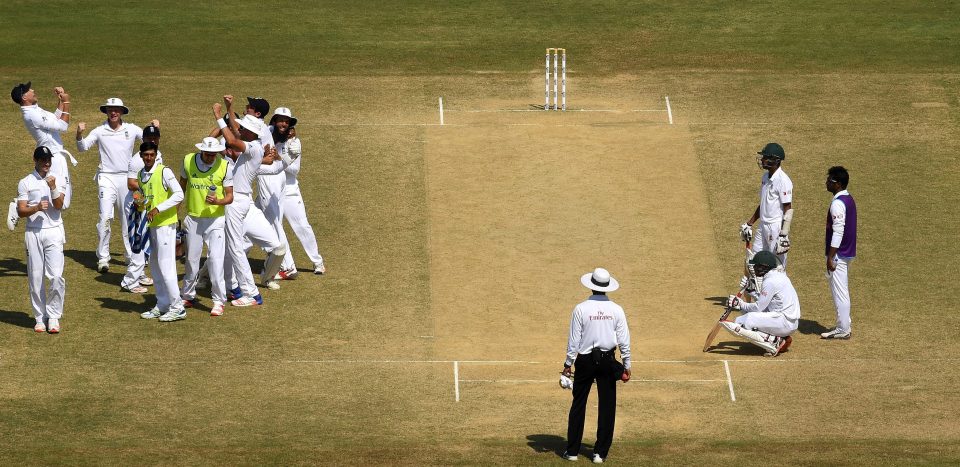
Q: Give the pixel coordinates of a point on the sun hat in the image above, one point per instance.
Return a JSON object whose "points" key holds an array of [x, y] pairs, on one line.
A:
{"points": [[251, 123], [284, 111], [114, 102], [210, 145], [600, 281]]}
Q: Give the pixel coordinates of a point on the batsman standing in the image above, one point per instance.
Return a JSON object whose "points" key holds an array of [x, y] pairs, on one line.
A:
{"points": [[775, 211], [597, 327], [40, 198], [841, 248]]}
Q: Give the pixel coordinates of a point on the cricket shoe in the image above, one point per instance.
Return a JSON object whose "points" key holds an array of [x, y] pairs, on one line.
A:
{"points": [[234, 294], [256, 300], [12, 216], [319, 269], [146, 281], [190, 302], [139, 289], [173, 315], [288, 275], [597, 459], [152, 313], [836, 333], [569, 457], [103, 265], [217, 309], [39, 327], [272, 284], [53, 326], [785, 344]]}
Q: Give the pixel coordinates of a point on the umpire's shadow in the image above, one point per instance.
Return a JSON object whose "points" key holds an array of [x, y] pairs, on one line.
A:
{"points": [[17, 318], [549, 443], [13, 267]]}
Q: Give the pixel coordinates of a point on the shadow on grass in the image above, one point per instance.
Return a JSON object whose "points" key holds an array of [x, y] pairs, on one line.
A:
{"points": [[87, 259], [123, 306], [550, 443], [13, 267], [17, 318], [807, 326], [735, 348], [717, 301]]}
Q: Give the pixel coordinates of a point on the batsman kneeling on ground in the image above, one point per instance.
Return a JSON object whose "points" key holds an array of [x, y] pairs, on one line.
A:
{"points": [[768, 322]]}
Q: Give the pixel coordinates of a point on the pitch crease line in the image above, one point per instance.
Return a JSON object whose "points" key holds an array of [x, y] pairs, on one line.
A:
{"points": [[669, 111], [726, 368], [456, 381]]}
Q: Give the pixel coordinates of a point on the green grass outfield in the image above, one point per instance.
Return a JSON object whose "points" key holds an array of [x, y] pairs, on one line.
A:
{"points": [[356, 367]]}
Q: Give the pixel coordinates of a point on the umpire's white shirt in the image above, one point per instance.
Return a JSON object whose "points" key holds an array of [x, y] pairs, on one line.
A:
{"points": [[44, 127], [597, 322], [775, 191], [116, 146], [777, 295], [32, 189]]}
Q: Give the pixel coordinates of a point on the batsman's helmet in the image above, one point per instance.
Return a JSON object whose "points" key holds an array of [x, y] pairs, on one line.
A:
{"points": [[764, 258], [771, 154]]}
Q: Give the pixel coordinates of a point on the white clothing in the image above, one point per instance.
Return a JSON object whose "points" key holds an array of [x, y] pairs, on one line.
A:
{"points": [[209, 230], [296, 216], [236, 263], [44, 127], [33, 189], [765, 238], [170, 183], [839, 289], [163, 267], [838, 213], [246, 167], [777, 304], [116, 146], [598, 322], [45, 260], [256, 231], [291, 172], [60, 169], [113, 194], [775, 191]]}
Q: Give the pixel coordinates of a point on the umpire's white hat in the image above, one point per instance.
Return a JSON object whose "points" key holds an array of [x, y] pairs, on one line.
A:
{"points": [[599, 280], [114, 102]]}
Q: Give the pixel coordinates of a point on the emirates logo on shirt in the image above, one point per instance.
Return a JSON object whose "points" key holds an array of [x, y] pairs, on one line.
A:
{"points": [[600, 317]]}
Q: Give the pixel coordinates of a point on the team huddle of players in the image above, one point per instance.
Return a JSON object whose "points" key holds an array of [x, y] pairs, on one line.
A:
{"points": [[774, 312], [212, 187]]}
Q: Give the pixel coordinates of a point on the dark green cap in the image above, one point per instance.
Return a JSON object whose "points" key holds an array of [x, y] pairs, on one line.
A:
{"points": [[765, 258], [773, 150]]}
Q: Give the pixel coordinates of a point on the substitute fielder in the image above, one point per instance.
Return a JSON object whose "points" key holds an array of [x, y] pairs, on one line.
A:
{"points": [[163, 194], [841, 247], [40, 198], [768, 322], [775, 211], [45, 128], [207, 180]]}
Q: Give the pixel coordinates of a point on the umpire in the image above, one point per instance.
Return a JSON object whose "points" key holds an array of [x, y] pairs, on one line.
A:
{"points": [[597, 327]]}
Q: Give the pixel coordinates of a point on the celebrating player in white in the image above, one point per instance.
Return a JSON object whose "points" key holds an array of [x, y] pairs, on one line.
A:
{"points": [[207, 180], [162, 195], [40, 198], [45, 128], [775, 211]]}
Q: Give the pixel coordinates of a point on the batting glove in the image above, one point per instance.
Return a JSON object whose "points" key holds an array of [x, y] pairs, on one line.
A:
{"points": [[746, 232], [734, 302], [783, 244]]}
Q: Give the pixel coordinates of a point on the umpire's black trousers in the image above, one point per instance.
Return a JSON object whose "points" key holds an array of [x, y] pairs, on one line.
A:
{"points": [[588, 371]]}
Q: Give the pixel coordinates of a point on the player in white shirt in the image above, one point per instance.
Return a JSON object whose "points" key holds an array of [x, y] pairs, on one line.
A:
{"points": [[45, 128], [768, 322], [40, 198], [207, 180], [775, 210], [162, 196], [291, 204], [247, 163], [115, 140]]}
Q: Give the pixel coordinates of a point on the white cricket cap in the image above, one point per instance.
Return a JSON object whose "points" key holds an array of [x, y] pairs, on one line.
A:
{"points": [[211, 145]]}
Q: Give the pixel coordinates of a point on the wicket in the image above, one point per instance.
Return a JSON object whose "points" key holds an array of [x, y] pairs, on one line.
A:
{"points": [[559, 75]]}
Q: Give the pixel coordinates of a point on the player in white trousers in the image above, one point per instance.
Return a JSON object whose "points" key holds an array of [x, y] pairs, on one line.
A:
{"points": [[136, 274], [162, 196], [115, 140], [270, 184], [775, 211], [768, 322], [207, 180], [291, 203], [45, 128], [840, 248], [40, 198], [249, 153]]}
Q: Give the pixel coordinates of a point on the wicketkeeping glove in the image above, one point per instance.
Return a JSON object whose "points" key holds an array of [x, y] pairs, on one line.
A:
{"points": [[746, 232], [734, 302], [783, 244]]}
